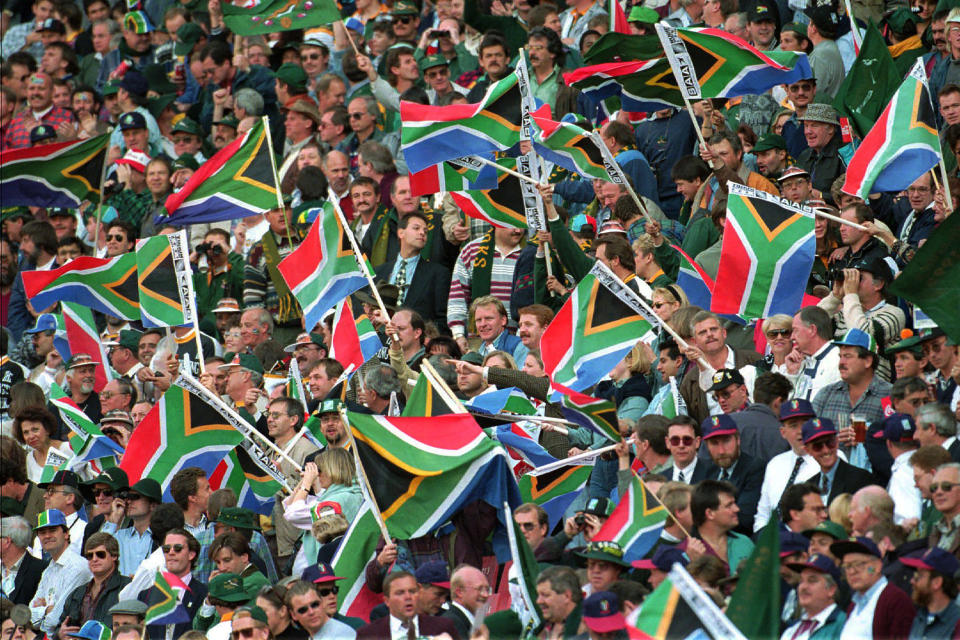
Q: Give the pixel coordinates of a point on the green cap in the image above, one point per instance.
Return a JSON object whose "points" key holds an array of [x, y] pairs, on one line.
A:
{"points": [[188, 125], [158, 104], [227, 587], [292, 75], [604, 550], [157, 79], [796, 27], [434, 60], [12, 213], [255, 612], [898, 20], [128, 338], [111, 88], [643, 14], [237, 517], [228, 120], [770, 141], [405, 7], [186, 161], [830, 528], [246, 361], [188, 35], [909, 342], [331, 405]]}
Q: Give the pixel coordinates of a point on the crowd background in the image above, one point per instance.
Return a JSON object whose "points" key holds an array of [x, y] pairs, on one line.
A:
{"points": [[838, 423]]}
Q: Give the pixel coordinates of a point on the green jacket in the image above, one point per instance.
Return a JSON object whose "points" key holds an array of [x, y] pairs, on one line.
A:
{"points": [[210, 289]]}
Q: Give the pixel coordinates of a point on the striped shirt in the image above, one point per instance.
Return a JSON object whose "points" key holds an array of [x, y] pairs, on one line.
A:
{"points": [[884, 323], [501, 283]]}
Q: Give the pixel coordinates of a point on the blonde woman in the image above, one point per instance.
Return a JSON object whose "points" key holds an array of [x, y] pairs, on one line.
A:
{"points": [[777, 330]]}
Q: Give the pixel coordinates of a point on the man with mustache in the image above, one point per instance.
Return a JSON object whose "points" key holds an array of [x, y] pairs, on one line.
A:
{"points": [[81, 370]]}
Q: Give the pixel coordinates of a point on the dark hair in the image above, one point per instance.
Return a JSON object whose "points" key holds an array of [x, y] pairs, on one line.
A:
{"points": [[11, 470], [21, 58], [105, 539], [42, 234], [706, 495], [216, 50], [128, 229], [417, 95], [554, 44], [653, 429], [312, 183], [339, 116], [231, 540], [85, 88], [416, 320], [34, 414], [292, 407], [862, 212], [167, 516], [67, 241], [562, 579], [621, 133], [392, 59], [452, 347], [905, 386], [493, 39], [186, 483], [628, 591], [617, 247], [332, 368], [730, 137], [192, 543], [404, 222], [687, 421], [68, 54], [792, 498], [393, 577], [359, 181], [543, 518], [217, 231], [769, 386]]}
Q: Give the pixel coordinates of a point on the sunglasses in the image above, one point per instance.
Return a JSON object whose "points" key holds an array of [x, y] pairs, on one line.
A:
{"points": [[803, 86], [776, 333], [404, 19], [117, 237], [819, 445], [356, 116], [312, 56], [243, 633], [176, 548], [945, 486], [676, 441], [307, 607], [102, 492], [528, 526], [99, 555], [328, 591]]}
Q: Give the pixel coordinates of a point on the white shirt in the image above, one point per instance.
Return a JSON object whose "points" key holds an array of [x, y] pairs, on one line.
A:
{"points": [[946, 444], [58, 580], [336, 630], [820, 618], [825, 365], [748, 372], [906, 496], [253, 236], [859, 622], [145, 575], [398, 631], [687, 472], [775, 482]]}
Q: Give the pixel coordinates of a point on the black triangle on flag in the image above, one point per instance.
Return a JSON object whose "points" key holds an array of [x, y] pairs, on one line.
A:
{"points": [[391, 485], [769, 214], [258, 170]]}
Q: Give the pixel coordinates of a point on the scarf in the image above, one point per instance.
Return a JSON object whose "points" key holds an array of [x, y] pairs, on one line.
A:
{"points": [[483, 266], [127, 52]]}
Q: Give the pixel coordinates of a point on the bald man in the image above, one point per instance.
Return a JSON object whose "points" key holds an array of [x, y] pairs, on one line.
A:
{"points": [[469, 590]]}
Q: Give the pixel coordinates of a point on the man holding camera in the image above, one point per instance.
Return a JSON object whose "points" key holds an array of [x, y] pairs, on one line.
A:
{"points": [[222, 276]]}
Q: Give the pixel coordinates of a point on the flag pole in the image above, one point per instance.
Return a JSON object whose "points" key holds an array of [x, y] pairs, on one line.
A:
{"points": [[590, 453], [660, 502], [498, 167], [276, 178], [445, 392], [353, 44], [375, 508], [612, 165]]}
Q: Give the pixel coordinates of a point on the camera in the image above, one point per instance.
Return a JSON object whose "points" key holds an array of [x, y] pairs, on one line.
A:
{"points": [[209, 247], [580, 520], [438, 33], [835, 274]]}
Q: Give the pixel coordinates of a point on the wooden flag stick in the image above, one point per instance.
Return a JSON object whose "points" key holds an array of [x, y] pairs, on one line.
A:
{"points": [[498, 167], [449, 398], [830, 216], [350, 38], [363, 477], [665, 507]]}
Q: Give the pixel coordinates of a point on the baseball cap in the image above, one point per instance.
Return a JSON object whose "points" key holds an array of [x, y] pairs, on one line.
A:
{"points": [[721, 425], [405, 7], [330, 405], [62, 478], [824, 18], [305, 339], [131, 607], [245, 361], [855, 545], [227, 587], [601, 612], [227, 305], [91, 630], [110, 88], [320, 572], [723, 378], [229, 120], [435, 573], [857, 338], [798, 408], [45, 322], [292, 75], [829, 527], [136, 159], [791, 543], [604, 550], [50, 518], [136, 83], [132, 120], [663, 559], [52, 24], [899, 427], [817, 428], [42, 132], [821, 563], [188, 35], [642, 14], [761, 12], [599, 507], [934, 559], [186, 161], [580, 220], [877, 267], [435, 60], [770, 141], [188, 125], [793, 171]]}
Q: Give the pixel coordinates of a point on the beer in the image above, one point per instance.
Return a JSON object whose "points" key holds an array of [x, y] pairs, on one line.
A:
{"points": [[859, 424]]}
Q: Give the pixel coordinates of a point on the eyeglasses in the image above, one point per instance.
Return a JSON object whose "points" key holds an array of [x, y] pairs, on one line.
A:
{"points": [[176, 548], [246, 632], [946, 486], [854, 566], [356, 116], [312, 56], [117, 237], [918, 190], [829, 443], [676, 441], [276, 415], [102, 492], [404, 19], [50, 491], [326, 591], [774, 333], [307, 607], [100, 555], [528, 526]]}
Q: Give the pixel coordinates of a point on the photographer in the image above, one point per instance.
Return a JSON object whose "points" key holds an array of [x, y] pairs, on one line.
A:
{"points": [[222, 276], [860, 290]]}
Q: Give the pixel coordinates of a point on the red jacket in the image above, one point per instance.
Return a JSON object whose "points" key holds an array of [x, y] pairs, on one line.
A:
{"points": [[894, 614]]}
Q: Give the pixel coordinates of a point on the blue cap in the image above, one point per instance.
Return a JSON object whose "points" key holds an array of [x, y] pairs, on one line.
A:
{"points": [[132, 120], [817, 428], [791, 543], [857, 338], [91, 630], [435, 573], [601, 612], [320, 572], [663, 559], [721, 425], [50, 518], [821, 563], [862, 544], [797, 409], [899, 427], [42, 132], [935, 559], [45, 322]]}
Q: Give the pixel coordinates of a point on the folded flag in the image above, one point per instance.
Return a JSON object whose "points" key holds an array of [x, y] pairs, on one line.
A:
{"points": [[640, 85], [554, 489], [83, 337], [901, 146], [433, 134], [239, 180], [636, 523], [422, 472], [62, 174], [270, 16], [523, 577], [766, 256], [246, 470], [459, 174], [522, 447], [166, 281], [673, 404], [323, 270], [600, 322], [594, 414], [184, 429], [425, 400], [357, 549], [510, 400], [502, 206], [88, 441], [107, 285], [354, 340], [570, 147], [167, 609], [694, 281]]}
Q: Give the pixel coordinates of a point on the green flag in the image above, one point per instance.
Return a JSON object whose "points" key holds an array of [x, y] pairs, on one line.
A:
{"points": [[872, 80], [931, 279], [755, 605], [166, 283], [279, 15]]}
